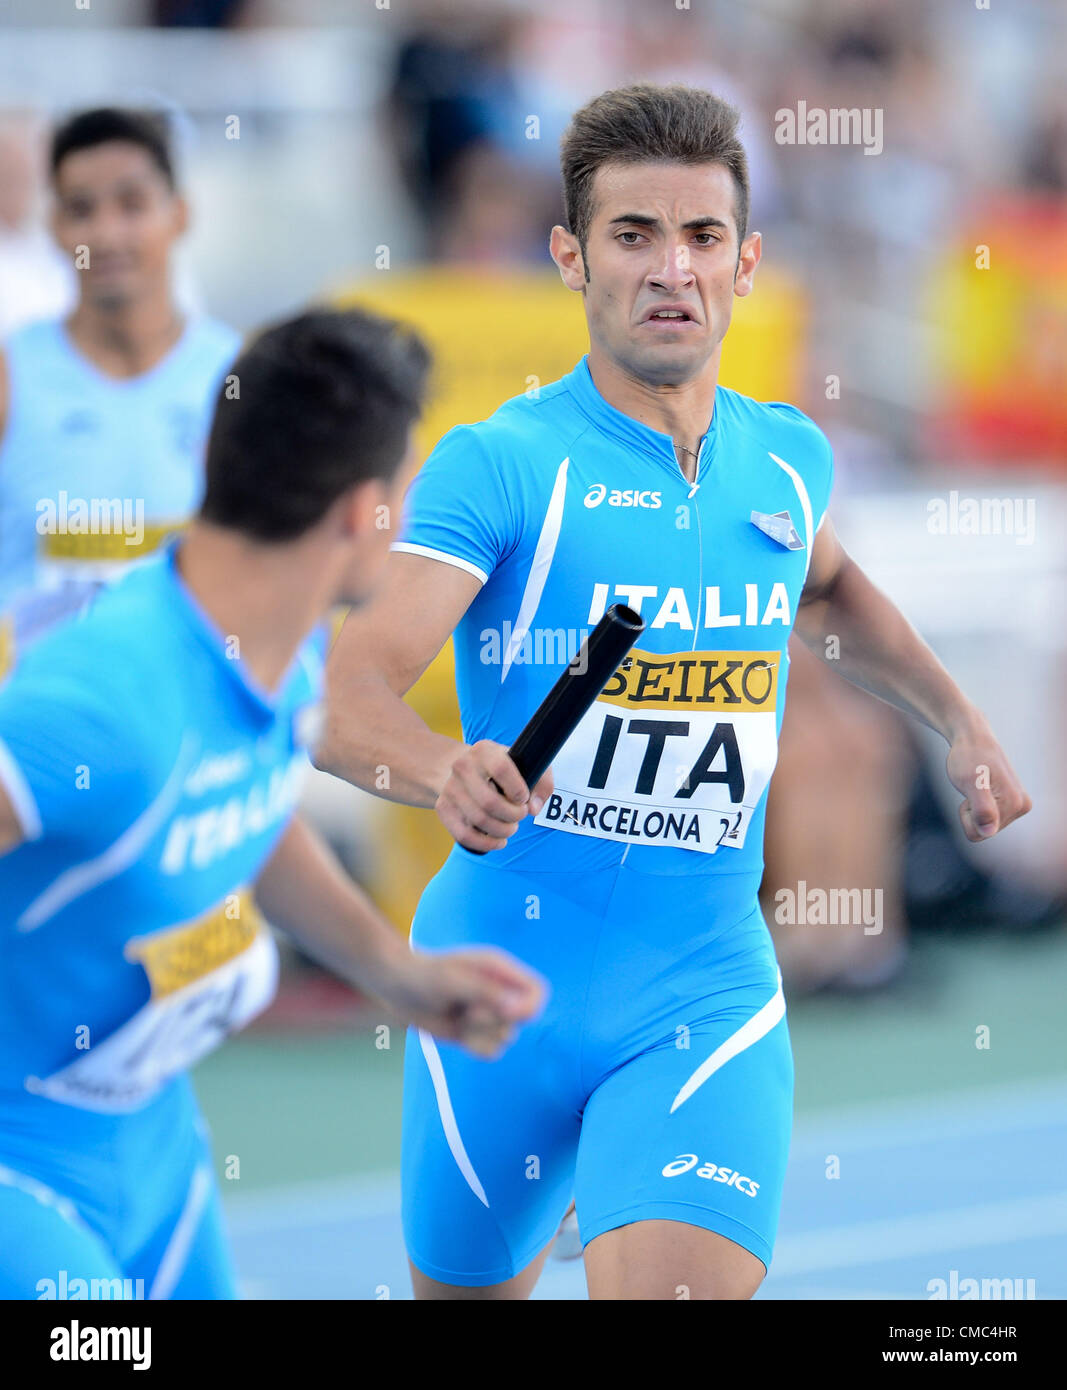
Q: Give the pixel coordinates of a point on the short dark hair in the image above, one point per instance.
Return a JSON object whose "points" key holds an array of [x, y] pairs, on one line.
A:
{"points": [[85, 129], [312, 406], [631, 124]]}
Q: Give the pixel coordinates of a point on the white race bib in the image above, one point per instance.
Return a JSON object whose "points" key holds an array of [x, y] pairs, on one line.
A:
{"points": [[677, 750], [208, 979]]}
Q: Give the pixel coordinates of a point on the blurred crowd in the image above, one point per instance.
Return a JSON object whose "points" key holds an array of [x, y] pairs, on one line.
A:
{"points": [[475, 94]]}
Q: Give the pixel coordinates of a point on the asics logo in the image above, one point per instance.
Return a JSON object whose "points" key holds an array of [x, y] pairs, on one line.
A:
{"points": [[685, 1163], [617, 498]]}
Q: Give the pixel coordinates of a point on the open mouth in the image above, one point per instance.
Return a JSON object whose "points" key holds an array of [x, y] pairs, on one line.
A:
{"points": [[671, 316]]}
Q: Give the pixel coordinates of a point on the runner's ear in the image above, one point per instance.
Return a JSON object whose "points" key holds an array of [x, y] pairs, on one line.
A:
{"points": [[359, 509], [181, 215]]}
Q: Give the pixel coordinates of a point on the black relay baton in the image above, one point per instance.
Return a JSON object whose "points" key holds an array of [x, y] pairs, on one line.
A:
{"points": [[561, 711]]}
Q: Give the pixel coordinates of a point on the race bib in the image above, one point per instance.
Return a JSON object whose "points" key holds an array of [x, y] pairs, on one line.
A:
{"points": [[208, 979], [677, 750], [88, 557]]}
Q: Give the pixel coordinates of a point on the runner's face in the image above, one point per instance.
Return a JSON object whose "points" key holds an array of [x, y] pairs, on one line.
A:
{"points": [[115, 201], [663, 234]]}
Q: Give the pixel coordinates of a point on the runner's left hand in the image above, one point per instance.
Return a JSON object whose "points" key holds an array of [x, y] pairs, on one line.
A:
{"points": [[476, 997], [993, 795]]}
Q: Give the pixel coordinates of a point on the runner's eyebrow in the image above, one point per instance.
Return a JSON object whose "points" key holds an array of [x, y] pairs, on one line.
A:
{"points": [[644, 219]]}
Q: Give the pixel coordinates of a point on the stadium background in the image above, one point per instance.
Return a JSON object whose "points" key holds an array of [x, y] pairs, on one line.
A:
{"points": [[406, 156]]}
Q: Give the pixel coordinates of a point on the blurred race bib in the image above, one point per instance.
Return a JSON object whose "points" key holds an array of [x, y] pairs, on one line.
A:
{"points": [[208, 979]]}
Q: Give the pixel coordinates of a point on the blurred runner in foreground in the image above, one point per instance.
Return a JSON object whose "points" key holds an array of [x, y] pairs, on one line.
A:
{"points": [[151, 756]]}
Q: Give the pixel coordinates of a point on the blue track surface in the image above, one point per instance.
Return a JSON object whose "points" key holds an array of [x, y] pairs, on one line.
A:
{"points": [[974, 1183]]}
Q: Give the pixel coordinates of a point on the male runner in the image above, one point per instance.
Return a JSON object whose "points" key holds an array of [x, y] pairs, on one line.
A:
{"points": [[103, 416], [657, 1085], [151, 755]]}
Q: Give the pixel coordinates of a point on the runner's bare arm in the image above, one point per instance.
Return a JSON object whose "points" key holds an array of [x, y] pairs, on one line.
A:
{"points": [[382, 650], [860, 633], [473, 997], [11, 835]]}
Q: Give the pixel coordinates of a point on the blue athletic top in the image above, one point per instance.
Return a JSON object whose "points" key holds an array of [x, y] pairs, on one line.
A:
{"points": [[561, 505], [94, 469], [152, 779]]}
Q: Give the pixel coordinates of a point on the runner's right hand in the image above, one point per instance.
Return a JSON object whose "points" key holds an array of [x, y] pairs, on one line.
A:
{"points": [[479, 815]]}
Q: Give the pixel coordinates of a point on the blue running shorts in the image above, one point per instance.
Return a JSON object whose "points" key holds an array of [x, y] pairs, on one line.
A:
{"points": [[657, 1084]]}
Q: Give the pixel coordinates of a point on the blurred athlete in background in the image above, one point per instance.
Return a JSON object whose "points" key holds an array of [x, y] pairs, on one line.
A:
{"points": [[103, 415], [657, 1086], [151, 756]]}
